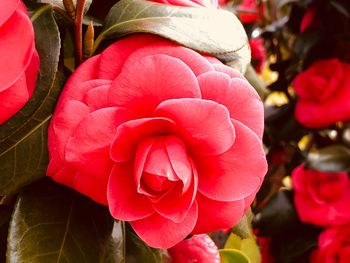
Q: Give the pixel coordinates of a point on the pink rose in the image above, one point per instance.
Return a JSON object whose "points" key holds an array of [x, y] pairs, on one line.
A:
{"points": [[323, 93], [321, 198], [333, 246], [190, 3], [19, 61], [258, 53], [198, 248], [168, 139]]}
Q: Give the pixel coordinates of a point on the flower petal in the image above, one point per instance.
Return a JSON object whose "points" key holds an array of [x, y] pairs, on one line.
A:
{"points": [[176, 204], [88, 147], [93, 186], [237, 95], [195, 61], [16, 48], [130, 133], [160, 232], [7, 9], [13, 98], [63, 125], [204, 125], [179, 160], [236, 173], [123, 200], [215, 215], [75, 88], [113, 57], [97, 98], [158, 78]]}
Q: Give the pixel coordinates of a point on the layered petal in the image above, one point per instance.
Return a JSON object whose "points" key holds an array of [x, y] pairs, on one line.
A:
{"points": [[176, 204], [63, 125], [97, 98], [197, 63], [16, 48], [124, 202], [160, 232], [13, 98], [236, 173], [73, 89], [237, 95], [88, 147], [158, 78], [204, 125], [113, 58], [226, 214], [130, 133], [7, 9]]}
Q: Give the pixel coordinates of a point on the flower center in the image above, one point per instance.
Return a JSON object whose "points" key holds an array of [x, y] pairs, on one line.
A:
{"points": [[155, 182]]}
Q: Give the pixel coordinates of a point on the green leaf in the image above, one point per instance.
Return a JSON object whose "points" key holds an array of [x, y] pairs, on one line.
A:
{"points": [[247, 246], [23, 139], [334, 158], [233, 256], [52, 223], [207, 30], [244, 227], [137, 250]]}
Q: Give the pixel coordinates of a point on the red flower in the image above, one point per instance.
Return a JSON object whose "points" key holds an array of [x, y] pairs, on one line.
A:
{"points": [[170, 140], [321, 198], [258, 53], [309, 20], [333, 246], [251, 11], [323, 93], [198, 248], [190, 3], [19, 61]]}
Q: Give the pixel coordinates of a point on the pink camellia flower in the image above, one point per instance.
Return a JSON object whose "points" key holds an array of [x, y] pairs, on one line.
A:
{"points": [[323, 93], [258, 53], [333, 246], [321, 198], [168, 139], [19, 61], [198, 248], [190, 3]]}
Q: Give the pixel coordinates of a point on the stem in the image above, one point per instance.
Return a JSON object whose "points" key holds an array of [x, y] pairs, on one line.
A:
{"points": [[79, 31]]}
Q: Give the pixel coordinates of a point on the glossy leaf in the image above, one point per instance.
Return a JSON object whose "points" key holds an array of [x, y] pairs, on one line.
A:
{"points": [[23, 139], [334, 158], [52, 223], [207, 30], [232, 256]]}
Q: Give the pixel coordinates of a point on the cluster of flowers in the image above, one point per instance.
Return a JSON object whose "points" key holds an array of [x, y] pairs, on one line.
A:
{"points": [[162, 135], [322, 198]]}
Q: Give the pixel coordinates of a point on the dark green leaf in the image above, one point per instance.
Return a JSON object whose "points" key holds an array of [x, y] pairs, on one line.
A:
{"points": [[137, 251], [23, 139], [277, 216], [207, 30], [52, 223], [334, 158]]}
